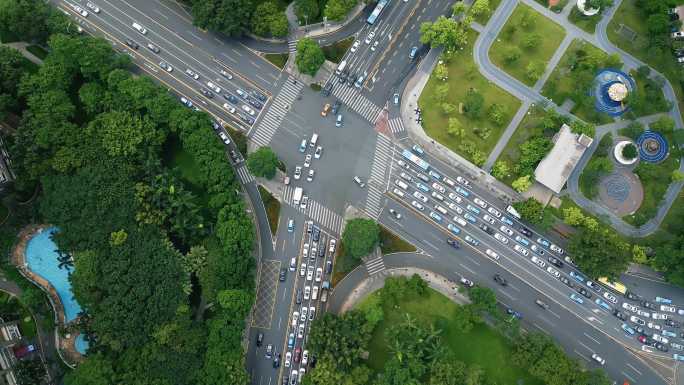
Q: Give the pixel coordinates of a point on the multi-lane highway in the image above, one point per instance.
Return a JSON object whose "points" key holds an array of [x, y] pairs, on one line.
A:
{"points": [[274, 108]]}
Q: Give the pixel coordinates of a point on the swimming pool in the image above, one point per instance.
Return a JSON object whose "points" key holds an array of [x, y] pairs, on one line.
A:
{"points": [[81, 344], [41, 259]]}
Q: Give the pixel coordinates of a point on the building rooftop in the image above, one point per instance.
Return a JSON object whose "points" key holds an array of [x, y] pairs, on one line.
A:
{"points": [[555, 169]]}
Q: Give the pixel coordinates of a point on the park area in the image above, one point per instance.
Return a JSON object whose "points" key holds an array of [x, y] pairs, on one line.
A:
{"points": [[525, 44], [463, 110]]}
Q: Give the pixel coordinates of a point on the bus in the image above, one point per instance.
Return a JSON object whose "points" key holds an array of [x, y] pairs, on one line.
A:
{"points": [[411, 157], [376, 12], [616, 286]]}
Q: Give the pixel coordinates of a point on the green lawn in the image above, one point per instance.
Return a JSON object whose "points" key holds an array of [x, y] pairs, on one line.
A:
{"points": [[513, 36], [561, 86], [336, 51], [343, 264], [272, 209], [391, 243], [587, 23], [463, 76], [631, 16], [482, 346], [277, 59], [529, 127]]}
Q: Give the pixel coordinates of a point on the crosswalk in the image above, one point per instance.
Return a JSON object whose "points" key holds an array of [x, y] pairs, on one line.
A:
{"points": [[274, 116], [244, 175], [375, 265], [318, 212], [351, 96], [376, 182], [396, 125], [292, 46]]}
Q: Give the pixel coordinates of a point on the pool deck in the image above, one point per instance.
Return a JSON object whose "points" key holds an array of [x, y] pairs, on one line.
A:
{"points": [[65, 344]]}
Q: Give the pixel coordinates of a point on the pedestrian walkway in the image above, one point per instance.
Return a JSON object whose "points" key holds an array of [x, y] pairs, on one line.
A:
{"points": [[321, 214], [375, 264], [262, 135], [244, 175], [396, 125], [351, 96], [376, 182], [292, 46]]}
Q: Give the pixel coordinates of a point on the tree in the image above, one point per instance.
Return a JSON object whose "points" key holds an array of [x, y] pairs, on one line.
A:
{"points": [[447, 108], [527, 19], [579, 127], [600, 252], [25, 19], [442, 92], [441, 72], [522, 184], [629, 151], [360, 237], [512, 55], [29, 372], [447, 371], [633, 130], [306, 10], [96, 370], [677, 176], [263, 162], [532, 151], [657, 24], [236, 302], [531, 40], [459, 8], [337, 10], [309, 57], [483, 298], [500, 169], [664, 125], [534, 70], [444, 32], [231, 17], [473, 104], [455, 128], [497, 113], [480, 7], [530, 210], [339, 339], [267, 20], [465, 317]]}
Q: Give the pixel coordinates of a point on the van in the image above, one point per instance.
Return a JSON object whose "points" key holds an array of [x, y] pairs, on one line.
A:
{"points": [[401, 184], [140, 28], [338, 121], [341, 67], [314, 139]]}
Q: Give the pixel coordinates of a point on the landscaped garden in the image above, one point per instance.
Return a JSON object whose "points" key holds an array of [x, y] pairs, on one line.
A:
{"points": [[392, 243], [599, 165], [587, 23], [462, 109], [525, 44]]}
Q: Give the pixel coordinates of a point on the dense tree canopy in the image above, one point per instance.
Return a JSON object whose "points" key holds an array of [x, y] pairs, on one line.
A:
{"points": [[360, 237], [444, 32], [231, 17], [309, 57], [263, 162], [268, 20], [337, 10]]}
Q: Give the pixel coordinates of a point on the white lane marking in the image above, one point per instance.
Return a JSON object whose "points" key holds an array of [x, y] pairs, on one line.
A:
{"points": [[254, 64], [508, 295], [628, 376], [513, 287], [541, 328], [430, 244], [581, 355], [591, 338], [585, 346], [236, 51], [467, 268], [228, 57], [472, 260], [161, 14], [556, 315], [634, 369], [261, 78], [194, 35]]}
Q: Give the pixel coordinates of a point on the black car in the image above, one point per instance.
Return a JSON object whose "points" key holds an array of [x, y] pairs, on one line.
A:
{"points": [[207, 93], [486, 229], [216, 125], [350, 80], [661, 347], [153, 48], [648, 305], [672, 323], [500, 280], [632, 296], [283, 274], [321, 252], [316, 233], [312, 361], [132, 44], [327, 89], [258, 95], [260, 339], [276, 361], [255, 103], [453, 243], [342, 77], [328, 267], [620, 315], [526, 232], [298, 298], [584, 292], [336, 107], [556, 262], [235, 157], [566, 281], [231, 98], [678, 52]]}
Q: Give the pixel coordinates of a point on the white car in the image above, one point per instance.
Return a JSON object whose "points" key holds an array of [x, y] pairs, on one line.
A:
{"points": [[355, 46], [305, 357], [553, 272], [314, 293], [501, 238], [406, 177], [660, 316], [302, 317], [480, 203], [300, 331], [598, 359], [556, 249], [224, 138], [417, 205], [288, 359], [438, 187], [637, 320], [298, 172], [307, 160], [449, 182], [492, 254], [437, 196], [319, 274], [80, 11], [644, 313], [295, 318], [455, 198], [420, 196], [312, 313], [610, 297], [629, 307], [524, 252], [214, 87], [538, 261], [462, 181], [93, 7], [307, 292], [318, 152], [309, 273], [494, 211], [229, 108], [310, 177], [668, 308], [660, 338], [506, 230], [653, 325], [370, 37], [488, 218], [460, 221], [302, 270], [331, 246], [248, 109]]}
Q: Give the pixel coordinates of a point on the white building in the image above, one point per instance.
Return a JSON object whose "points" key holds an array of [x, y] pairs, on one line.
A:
{"points": [[555, 169]]}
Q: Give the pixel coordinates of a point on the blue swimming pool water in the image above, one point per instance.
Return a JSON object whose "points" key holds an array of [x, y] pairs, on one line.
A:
{"points": [[81, 344], [41, 258]]}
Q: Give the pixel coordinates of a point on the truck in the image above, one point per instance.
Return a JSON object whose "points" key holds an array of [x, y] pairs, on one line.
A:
{"points": [[325, 287], [297, 197]]}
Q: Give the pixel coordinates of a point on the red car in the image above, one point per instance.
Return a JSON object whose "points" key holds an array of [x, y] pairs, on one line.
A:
{"points": [[642, 339], [297, 354]]}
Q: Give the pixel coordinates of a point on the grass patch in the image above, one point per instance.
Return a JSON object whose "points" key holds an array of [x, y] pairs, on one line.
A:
{"points": [[12, 310], [493, 5], [391, 243], [590, 176], [529, 127], [563, 84], [38, 51], [631, 16], [526, 25], [587, 23], [335, 52], [277, 59], [485, 347], [272, 209], [343, 265], [463, 76]]}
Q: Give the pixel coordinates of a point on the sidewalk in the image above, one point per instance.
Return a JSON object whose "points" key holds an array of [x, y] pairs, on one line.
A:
{"points": [[298, 31], [21, 47]]}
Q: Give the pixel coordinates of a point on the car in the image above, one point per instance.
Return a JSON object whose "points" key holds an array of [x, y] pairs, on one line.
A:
{"points": [[309, 273], [276, 361], [660, 316], [435, 216], [302, 270], [81, 11], [283, 274], [94, 8], [318, 152], [226, 74], [664, 300], [288, 359], [307, 289], [293, 377], [336, 107], [302, 317], [567, 282], [156, 49], [305, 357], [541, 304], [494, 212], [332, 244], [576, 298], [290, 225], [463, 181], [637, 320], [403, 164], [231, 98], [165, 66], [298, 172], [418, 150], [224, 138], [314, 293], [466, 282], [501, 238], [297, 355], [472, 240], [395, 214], [500, 280], [420, 196], [578, 277], [632, 296], [630, 307], [310, 176], [469, 217], [229, 108], [513, 313], [598, 359], [653, 325], [417, 205], [537, 249], [326, 109], [602, 304], [453, 228], [524, 252], [555, 261], [536, 260], [506, 230], [525, 231], [439, 187], [491, 253], [594, 286], [293, 264], [319, 274], [375, 45], [659, 338], [668, 308], [488, 218], [295, 318], [584, 292], [473, 209], [543, 242], [463, 192], [291, 340], [395, 97], [413, 52], [643, 313], [299, 296], [355, 46], [678, 35], [260, 339], [506, 220], [553, 272], [423, 177], [248, 109], [255, 103], [674, 324], [648, 305], [209, 94], [676, 346], [522, 240], [453, 243], [619, 314], [369, 37], [302, 372], [556, 249], [307, 160], [132, 44], [312, 313], [669, 333], [422, 187], [406, 177], [359, 182], [486, 229], [185, 102], [455, 197], [480, 203]]}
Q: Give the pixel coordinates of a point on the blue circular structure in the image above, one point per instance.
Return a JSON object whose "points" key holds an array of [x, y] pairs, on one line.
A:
{"points": [[653, 147], [609, 89]]}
